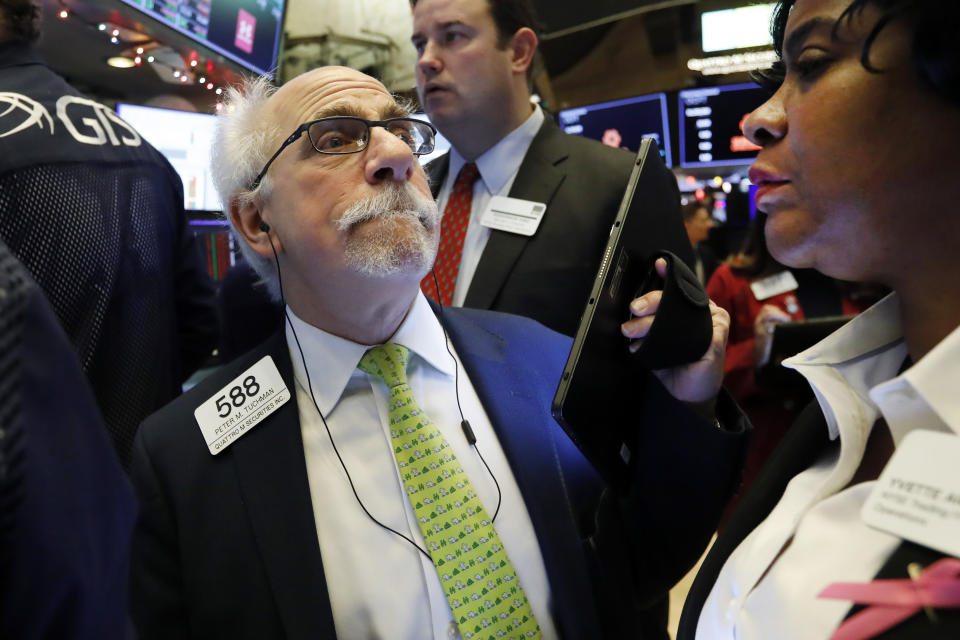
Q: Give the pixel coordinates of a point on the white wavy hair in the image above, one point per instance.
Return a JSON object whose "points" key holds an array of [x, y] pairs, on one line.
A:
{"points": [[240, 149]]}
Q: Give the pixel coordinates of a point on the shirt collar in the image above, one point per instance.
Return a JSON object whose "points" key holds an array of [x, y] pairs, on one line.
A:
{"points": [[868, 352], [332, 360], [500, 163], [925, 388], [876, 328]]}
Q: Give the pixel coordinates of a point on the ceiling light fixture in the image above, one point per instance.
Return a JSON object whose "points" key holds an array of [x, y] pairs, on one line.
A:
{"points": [[120, 62]]}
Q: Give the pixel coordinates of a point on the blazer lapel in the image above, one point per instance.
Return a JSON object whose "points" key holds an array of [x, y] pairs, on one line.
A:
{"points": [[511, 399], [806, 440], [538, 179], [437, 172], [272, 476]]}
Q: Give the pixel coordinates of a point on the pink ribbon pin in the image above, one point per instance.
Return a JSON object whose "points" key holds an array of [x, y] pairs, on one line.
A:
{"points": [[893, 601]]}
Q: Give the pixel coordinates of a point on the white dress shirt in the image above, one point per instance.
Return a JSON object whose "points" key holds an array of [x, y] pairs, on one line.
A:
{"points": [[815, 535], [498, 169], [380, 586]]}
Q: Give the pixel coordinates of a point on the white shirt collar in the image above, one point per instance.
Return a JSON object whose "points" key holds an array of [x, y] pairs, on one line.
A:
{"points": [[869, 351], [333, 360], [500, 163]]}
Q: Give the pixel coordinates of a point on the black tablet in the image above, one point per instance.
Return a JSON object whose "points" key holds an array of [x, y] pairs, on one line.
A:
{"points": [[789, 339], [596, 400]]}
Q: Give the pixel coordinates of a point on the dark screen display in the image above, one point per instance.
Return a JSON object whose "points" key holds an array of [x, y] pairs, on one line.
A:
{"points": [[710, 120], [246, 31], [622, 123]]}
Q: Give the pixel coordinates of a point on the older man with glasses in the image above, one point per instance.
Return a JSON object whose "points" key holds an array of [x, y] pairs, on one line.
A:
{"points": [[383, 467]]}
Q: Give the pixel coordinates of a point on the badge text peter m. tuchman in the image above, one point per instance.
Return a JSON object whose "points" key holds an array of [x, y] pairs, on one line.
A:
{"points": [[241, 405]]}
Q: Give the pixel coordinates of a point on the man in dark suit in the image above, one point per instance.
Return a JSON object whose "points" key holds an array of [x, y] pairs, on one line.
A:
{"points": [[473, 72], [305, 519], [698, 222]]}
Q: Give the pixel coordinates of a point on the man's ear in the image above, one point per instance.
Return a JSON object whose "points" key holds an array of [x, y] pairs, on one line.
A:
{"points": [[247, 220], [523, 45]]}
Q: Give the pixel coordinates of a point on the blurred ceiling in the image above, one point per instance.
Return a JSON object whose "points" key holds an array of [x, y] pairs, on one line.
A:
{"points": [[77, 49], [593, 51]]}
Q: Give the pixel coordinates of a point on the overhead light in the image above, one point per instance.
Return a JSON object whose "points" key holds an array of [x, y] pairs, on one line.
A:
{"points": [[120, 62]]}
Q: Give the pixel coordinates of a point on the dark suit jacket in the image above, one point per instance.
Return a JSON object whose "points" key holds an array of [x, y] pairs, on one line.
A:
{"points": [[227, 545], [66, 508], [548, 276], [805, 442]]}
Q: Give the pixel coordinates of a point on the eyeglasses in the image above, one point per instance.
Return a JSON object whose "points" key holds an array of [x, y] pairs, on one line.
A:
{"points": [[347, 134]]}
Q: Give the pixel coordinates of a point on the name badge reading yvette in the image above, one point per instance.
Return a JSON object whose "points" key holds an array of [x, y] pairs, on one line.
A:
{"points": [[514, 215], [917, 497], [241, 405]]}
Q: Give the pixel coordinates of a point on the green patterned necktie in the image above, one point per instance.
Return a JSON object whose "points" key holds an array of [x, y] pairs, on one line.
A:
{"points": [[477, 577]]}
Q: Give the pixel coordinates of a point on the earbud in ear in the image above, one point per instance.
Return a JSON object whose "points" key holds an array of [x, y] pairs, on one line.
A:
{"points": [[264, 227]]}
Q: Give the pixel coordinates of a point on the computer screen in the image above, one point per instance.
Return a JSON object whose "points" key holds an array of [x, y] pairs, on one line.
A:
{"points": [[215, 238], [737, 28], [710, 124], [246, 31], [185, 139], [622, 123]]}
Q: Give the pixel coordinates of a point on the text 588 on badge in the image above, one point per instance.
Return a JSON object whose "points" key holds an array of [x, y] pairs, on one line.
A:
{"points": [[241, 405]]}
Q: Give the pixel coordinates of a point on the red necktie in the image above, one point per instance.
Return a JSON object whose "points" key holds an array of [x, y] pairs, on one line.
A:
{"points": [[453, 230]]}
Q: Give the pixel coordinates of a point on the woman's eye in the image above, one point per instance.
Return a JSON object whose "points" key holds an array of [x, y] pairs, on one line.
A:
{"points": [[770, 78], [807, 67]]}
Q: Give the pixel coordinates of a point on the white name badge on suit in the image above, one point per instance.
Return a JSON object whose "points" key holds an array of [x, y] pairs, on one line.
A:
{"points": [[241, 405], [513, 215], [774, 285]]}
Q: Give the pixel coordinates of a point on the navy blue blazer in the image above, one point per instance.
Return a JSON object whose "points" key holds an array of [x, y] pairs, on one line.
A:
{"points": [[66, 508], [226, 546]]}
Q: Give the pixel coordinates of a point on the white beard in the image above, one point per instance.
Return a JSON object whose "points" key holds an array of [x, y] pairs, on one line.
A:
{"points": [[401, 234]]}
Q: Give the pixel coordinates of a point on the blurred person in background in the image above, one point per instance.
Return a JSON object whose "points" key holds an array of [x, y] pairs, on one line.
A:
{"points": [[698, 222], [96, 215]]}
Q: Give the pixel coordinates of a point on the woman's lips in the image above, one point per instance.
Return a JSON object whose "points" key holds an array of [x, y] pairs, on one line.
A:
{"points": [[768, 183]]}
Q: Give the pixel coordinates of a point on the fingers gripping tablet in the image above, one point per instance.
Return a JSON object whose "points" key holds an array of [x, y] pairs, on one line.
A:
{"points": [[682, 329]]}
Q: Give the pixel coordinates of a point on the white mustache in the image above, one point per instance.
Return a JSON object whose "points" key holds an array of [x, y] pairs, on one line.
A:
{"points": [[402, 200]]}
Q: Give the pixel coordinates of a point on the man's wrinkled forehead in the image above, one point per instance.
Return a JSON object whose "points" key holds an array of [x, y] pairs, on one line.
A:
{"points": [[306, 95]]}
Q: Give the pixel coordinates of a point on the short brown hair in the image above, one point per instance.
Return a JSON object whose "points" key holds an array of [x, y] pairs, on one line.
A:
{"points": [[509, 16]]}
